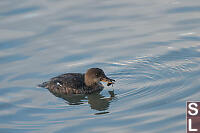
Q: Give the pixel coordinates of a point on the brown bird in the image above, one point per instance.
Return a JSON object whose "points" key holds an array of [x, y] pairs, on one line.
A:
{"points": [[78, 83]]}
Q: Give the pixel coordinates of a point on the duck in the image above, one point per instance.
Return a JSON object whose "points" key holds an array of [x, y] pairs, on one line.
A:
{"points": [[78, 83]]}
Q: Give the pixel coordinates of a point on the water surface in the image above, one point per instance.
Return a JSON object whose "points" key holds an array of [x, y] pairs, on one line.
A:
{"points": [[151, 48]]}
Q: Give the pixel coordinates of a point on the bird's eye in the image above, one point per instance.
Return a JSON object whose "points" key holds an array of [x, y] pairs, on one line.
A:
{"points": [[97, 74]]}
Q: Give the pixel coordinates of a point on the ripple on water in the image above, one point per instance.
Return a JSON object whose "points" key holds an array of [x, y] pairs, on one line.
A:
{"points": [[156, 82], [150, 47]]}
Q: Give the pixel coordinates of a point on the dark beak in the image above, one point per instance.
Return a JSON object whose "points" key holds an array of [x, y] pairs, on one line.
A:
{"points": [[108, 80]]}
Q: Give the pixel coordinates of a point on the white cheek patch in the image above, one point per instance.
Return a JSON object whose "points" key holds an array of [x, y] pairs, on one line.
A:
{"points": [[58, 84]]}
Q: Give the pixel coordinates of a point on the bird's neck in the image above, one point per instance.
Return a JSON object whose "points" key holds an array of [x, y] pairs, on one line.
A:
{"points": [[89, 82]]}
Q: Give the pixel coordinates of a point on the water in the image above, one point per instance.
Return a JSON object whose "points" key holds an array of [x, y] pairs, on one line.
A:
{"points": [[151, 48]]}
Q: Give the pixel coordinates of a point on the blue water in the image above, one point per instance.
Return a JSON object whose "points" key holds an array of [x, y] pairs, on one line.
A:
{"points": [[151, 48]]}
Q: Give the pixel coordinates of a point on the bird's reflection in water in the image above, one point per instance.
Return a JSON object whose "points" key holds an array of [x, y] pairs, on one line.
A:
{"points": [[96, 100]]}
